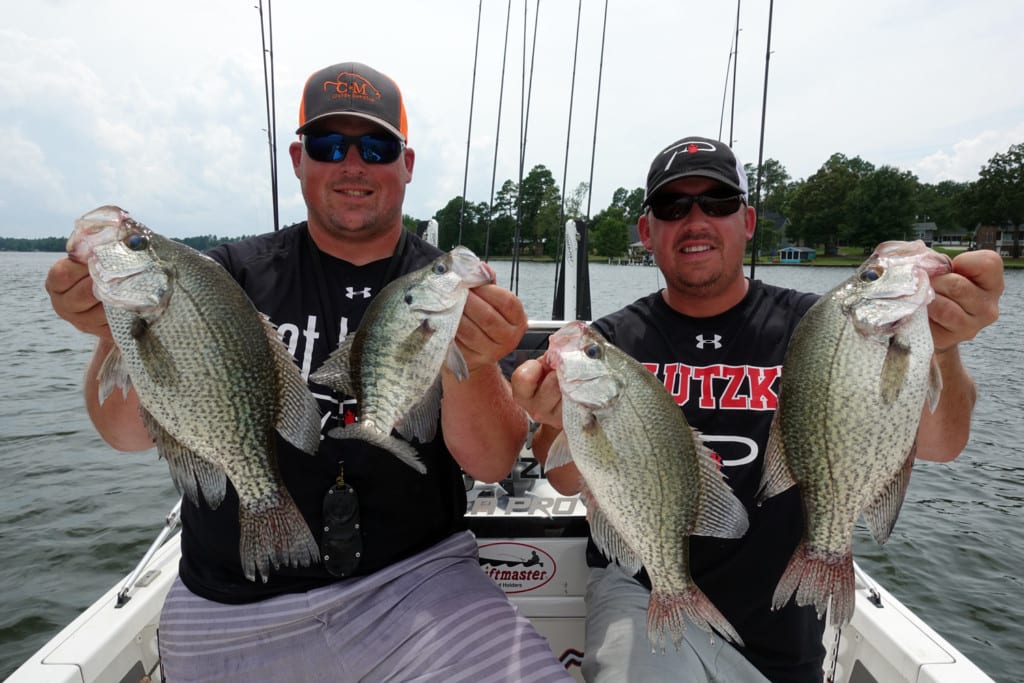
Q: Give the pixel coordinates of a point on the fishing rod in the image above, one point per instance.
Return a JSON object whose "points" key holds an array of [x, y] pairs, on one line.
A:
{"points": [[597, 109], [735, 63], [760, 148], [526, 93], [559, 298], [497, 133], [725, 88], [469, 129], [267, 37]]}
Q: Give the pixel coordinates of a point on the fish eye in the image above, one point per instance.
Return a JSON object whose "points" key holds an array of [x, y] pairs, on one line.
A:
{"points": [[871, 274], [593, 351], [440, 268], [136, 242]]}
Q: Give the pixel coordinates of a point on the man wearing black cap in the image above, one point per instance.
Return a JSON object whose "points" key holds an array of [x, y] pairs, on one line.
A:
{"points": [[719, 340], [398, 593]]}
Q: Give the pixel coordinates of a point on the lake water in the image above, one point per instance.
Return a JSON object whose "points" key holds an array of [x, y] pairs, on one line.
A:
{"points": [[75, 516]]}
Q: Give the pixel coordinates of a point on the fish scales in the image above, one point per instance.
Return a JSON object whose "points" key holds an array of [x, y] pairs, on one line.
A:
{"points": [[213, 380], [648, 481], [857, 373], [392, 364]]}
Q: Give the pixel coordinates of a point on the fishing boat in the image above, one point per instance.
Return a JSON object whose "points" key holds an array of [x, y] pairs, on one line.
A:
{"points": [[532, 542]]}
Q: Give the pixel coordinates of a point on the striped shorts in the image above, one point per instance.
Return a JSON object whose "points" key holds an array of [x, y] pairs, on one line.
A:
{"points": [[431, 617]]}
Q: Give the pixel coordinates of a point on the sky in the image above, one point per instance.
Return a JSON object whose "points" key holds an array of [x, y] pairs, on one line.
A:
{"points": [[161, 108]]}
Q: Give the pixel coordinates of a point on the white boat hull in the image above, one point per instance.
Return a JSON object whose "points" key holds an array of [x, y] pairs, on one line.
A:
{"points": [[544, 576], [532, 543]]}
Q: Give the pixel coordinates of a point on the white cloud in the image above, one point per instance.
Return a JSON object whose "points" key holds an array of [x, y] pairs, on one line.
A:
{"points": [[963, 161], [161, 108]]}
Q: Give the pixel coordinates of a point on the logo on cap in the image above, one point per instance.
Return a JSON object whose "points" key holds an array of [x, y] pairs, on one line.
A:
{"points": [[688, 147], [353, 86]]}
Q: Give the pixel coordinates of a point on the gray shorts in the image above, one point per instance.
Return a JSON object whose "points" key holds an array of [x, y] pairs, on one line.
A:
{"points": [[432, 617], [617, 649]]}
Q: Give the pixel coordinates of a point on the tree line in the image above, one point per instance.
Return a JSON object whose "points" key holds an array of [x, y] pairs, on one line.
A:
{"points": [[200, 243], [848, 202]]}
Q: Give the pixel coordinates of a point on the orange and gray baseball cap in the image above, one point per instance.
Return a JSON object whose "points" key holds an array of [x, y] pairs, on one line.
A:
{"points": [[696, 156], [353, 89]]}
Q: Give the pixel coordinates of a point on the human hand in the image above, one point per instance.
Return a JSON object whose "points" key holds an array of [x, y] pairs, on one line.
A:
{"points": [[70, 288], [967, 299], [535, 388], [493, 322]]}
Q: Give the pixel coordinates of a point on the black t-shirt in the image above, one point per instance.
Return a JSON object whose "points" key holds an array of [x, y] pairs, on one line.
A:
{"points": [[724, 372], [402, 511]]}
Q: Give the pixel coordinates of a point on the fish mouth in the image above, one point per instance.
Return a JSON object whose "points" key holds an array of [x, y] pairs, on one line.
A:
{"points": [[95, 236], [924, 258], [903, 286], [99, 226], [470, 269], [568, 339]]}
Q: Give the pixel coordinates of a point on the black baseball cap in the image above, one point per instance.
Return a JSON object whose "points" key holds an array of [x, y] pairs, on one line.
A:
{"points": [[353, 89], [696, 156]]}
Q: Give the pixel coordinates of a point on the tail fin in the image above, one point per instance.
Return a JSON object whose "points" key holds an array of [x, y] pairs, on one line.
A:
{"points": [[666, 611], [369, 432], [275, 535], [815, 576]]}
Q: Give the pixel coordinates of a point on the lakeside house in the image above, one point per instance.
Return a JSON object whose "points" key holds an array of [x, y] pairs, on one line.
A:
{"points": [[796, 254]]}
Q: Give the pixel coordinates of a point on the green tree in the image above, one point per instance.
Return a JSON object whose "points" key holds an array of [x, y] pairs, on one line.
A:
{"points": [[775, 183], [768, 237], [881, 207], [473, 232], [574, 202], [506, 200], [609, 235], [998, 194], [941, 204], [447, 218], [817, 208], [626, 204], [540, 206]]}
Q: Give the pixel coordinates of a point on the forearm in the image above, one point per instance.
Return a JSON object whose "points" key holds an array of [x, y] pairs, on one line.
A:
{"points": [[117, 419], [942, 435], [483, 427]]}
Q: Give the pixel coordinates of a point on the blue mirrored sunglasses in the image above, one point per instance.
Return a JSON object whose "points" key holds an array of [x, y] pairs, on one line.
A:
{"points": [[374, 148]]}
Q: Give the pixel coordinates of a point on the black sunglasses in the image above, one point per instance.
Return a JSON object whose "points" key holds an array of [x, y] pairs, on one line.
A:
{"points": [[673, 207], [374, 148]]}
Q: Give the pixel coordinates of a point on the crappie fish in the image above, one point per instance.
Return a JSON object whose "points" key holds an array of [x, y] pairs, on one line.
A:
{"points": [[648, 481], [213, 379], [392, 364], [857, 374]]}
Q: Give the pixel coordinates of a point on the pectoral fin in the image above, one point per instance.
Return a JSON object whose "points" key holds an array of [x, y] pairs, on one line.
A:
{"points": [[113, 374], [456, 362], [558, 453], [159, 362], [934, 385], [895, 369], [335, 372]]}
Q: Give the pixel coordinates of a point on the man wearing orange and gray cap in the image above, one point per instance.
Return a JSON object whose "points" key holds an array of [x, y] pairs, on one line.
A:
{"points": [[397, 593]]}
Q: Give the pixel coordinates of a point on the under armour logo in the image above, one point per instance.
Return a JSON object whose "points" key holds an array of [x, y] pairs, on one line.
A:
{"points": [[351, 293], [702, 342]]}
